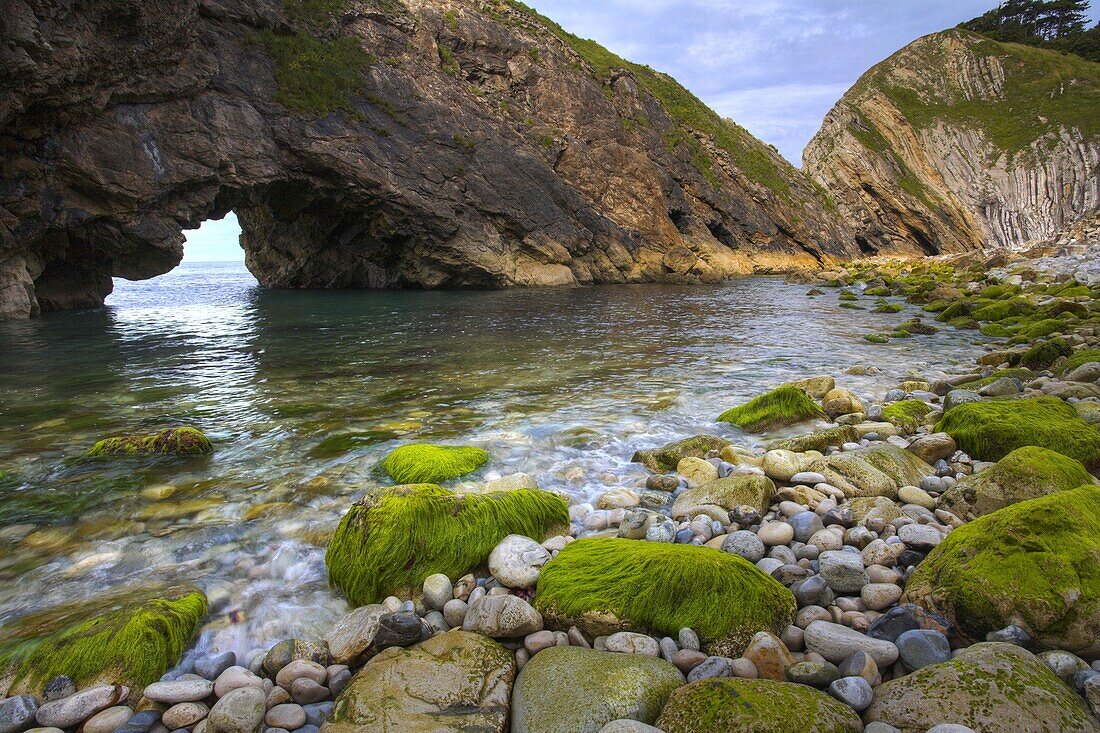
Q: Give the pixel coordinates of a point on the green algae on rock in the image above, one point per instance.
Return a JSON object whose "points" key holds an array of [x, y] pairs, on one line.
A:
{"points": [[451, 683], [990, 687], [727, 493], [906, 414], [607, 585], [129, 639], [183, 441], [389, 542], [1035, 564], [1025, 473], [1079, 358], [819, 440], [876, 471], [666, 458], [776, 409], [431, 464], [569, 689], [1044, 354], [992, 429], [755, 706]]}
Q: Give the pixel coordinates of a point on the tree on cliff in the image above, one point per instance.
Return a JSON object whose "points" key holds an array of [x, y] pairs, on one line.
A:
{"points": [[1056, 24]]}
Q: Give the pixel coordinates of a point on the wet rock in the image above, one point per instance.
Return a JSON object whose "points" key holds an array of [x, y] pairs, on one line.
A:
{"points": [[172, 693], [517, 561], [502, 617], [17, 713], [350, 639], [69, 711], [836, 643], [239, 711]]}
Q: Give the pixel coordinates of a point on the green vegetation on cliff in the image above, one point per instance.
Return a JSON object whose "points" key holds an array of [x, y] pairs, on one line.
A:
{"points": [[317, 71], [1042, 92]]}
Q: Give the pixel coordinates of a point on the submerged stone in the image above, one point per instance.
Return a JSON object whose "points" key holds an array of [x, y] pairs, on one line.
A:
{"points": [[183, 441], [665, 459]]}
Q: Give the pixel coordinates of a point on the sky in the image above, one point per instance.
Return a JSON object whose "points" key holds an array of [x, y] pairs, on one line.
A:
{"points": [[774, 66]]}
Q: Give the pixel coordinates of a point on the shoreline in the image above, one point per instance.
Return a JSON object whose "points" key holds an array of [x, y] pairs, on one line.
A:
{"points": [[907, 517]]}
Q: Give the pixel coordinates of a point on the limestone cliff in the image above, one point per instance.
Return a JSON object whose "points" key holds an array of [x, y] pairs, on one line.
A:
{"points": [[958, 142], [369, 143]]}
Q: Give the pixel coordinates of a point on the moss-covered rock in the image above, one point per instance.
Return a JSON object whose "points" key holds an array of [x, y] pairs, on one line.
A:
{"points": [[906, 414], [389, 542], [755, 706], [608, 585], [819, 440], [1043, 355], [129, 639], [183, 441], [1025, 473], [990, 687], [665, 459], [1079, 358], [431, 464], [452, 683], [568, 689], [992, 429], [727, 493], [776, 409], [877, 471], [1035, 564]]}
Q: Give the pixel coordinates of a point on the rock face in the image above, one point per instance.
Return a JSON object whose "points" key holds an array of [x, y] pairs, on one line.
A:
{"points": [[370, 143], [958, 141]]}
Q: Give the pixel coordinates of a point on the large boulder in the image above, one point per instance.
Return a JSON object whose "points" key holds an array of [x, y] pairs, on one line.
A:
{"points": [[451, 683], [726, 493], [570, 689], [992, 429], [1034, 564], [877, 471], [128, 639], [990, 687], [393, 539], [776, 409], [1025, 473], [665, 459], [608, 585], [755, 706]]}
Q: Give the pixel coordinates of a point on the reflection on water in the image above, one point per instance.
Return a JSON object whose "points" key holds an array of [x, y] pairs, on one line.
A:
{"points": [[563, 384]]}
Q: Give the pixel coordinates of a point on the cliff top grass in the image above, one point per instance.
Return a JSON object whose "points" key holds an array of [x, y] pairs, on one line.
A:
{"points": [[129, 639], [779, 408], [660, 588], [184, 441], [1021, 564], [396, 537], [758, 162], [1042, 90], [992, 429], [431, 464]]}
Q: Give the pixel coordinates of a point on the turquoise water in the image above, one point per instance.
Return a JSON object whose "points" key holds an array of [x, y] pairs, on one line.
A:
{"points": [[303, 393]]}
